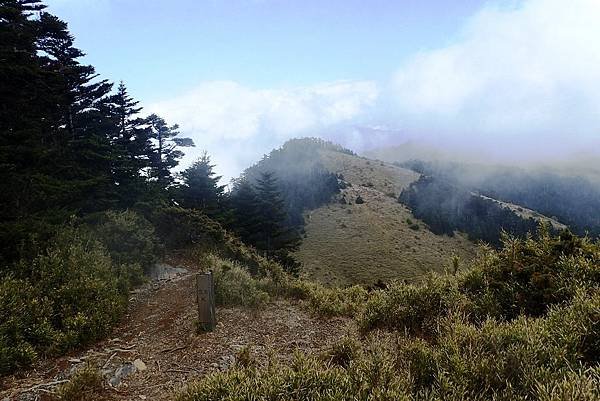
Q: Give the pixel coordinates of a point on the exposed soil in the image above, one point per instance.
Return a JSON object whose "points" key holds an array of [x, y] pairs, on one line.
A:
{"points": [[160, 331]]}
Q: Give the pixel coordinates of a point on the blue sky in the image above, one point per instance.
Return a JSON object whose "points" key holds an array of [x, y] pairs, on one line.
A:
{"points": [[161, 48], [506, 80]]}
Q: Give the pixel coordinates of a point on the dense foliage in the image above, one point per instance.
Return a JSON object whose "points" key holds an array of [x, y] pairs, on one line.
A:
{"points": [[269, 199], [69, 294], [521, 323], [68, 146], [447, 207], [572, 199], [77, 158], [303, 181]]}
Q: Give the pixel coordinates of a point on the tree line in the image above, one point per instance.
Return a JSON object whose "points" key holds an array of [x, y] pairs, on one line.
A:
{"points": [[572, 199], [447, 208]]}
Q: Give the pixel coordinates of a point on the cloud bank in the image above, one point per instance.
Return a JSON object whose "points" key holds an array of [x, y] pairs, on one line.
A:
{"points": [[520, 74], [521, 82], [237, 124]]}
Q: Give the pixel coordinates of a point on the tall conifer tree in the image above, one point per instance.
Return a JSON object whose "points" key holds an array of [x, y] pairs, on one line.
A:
{"points": [[200, 188], [165, 154]]}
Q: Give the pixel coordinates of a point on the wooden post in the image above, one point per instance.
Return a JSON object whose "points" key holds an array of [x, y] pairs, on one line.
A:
{"points": [[205, 294]]}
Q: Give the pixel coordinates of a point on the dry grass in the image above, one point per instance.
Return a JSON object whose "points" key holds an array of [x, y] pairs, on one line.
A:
{"points": [[360, 244]]}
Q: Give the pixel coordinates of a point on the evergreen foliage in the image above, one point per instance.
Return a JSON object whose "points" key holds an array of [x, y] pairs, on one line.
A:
{"points": [[199, 189], [302, 179], [447, 208], [260, 211], [68, 295], [67, 145], [166, 153], [570, 198]]}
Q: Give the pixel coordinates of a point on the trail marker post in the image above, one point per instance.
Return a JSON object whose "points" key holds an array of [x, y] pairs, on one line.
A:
{"points": [[205, 296]]}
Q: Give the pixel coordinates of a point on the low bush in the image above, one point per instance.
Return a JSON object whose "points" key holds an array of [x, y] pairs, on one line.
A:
{"points": [[413, 308], [68, 295], [129, 238], [528, 358], [234, 285], [183, 228], [527, 276], [83, 384]]}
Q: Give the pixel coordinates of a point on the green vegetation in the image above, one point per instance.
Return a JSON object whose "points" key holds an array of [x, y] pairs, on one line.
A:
{"points": [[447, 208], [200, 190], [570, 198], [489, 332], [83, 384], [234, 285], [68, 295]]}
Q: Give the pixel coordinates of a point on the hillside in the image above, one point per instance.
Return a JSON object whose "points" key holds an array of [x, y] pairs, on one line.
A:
{"points": [[348, 243], [526, 213]]}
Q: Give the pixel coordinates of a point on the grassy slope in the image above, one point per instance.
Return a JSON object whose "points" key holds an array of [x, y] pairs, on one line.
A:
{"points": [[361, 243]]}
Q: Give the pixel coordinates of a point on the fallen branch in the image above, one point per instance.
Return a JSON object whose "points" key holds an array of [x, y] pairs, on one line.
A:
{"points": [[174, 349], [108, 360], [178, 371], [49, 384]]}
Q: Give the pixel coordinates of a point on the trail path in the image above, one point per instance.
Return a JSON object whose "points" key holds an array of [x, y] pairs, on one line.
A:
{"points": [[159, 331]]}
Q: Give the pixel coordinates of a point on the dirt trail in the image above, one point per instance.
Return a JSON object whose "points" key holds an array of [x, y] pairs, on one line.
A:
{"points": [[159, 331]]}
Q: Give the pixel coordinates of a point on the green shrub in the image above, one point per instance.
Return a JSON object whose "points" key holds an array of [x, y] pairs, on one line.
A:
{"points": [[413, 308], [343, 352], [183, 228], [305, 379], [129, 238], [68, 295], [414, 227], [528, 276], [234, 285], [323, 300], [83, 383]]}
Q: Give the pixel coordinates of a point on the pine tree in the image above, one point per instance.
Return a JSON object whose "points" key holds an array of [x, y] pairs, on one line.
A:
{"points": [[200, 189], [245, 206], [165, 154], [274, 237], [81, 136], [29, 102], [131, 144]]}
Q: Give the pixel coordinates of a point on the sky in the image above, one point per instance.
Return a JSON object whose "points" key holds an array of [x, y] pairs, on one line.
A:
{"points": [[512, 80]]}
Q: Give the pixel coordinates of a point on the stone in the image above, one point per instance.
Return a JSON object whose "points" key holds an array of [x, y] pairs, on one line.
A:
{"points": [[163, 271], [139, 365], [121, 373]]}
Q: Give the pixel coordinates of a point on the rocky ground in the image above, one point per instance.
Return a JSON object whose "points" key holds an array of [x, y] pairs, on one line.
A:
{"points": [[155, 351]]}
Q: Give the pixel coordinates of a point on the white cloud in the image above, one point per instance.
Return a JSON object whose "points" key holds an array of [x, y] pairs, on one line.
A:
{"points": [[237, 124], [530, 71], [523, 80]]}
